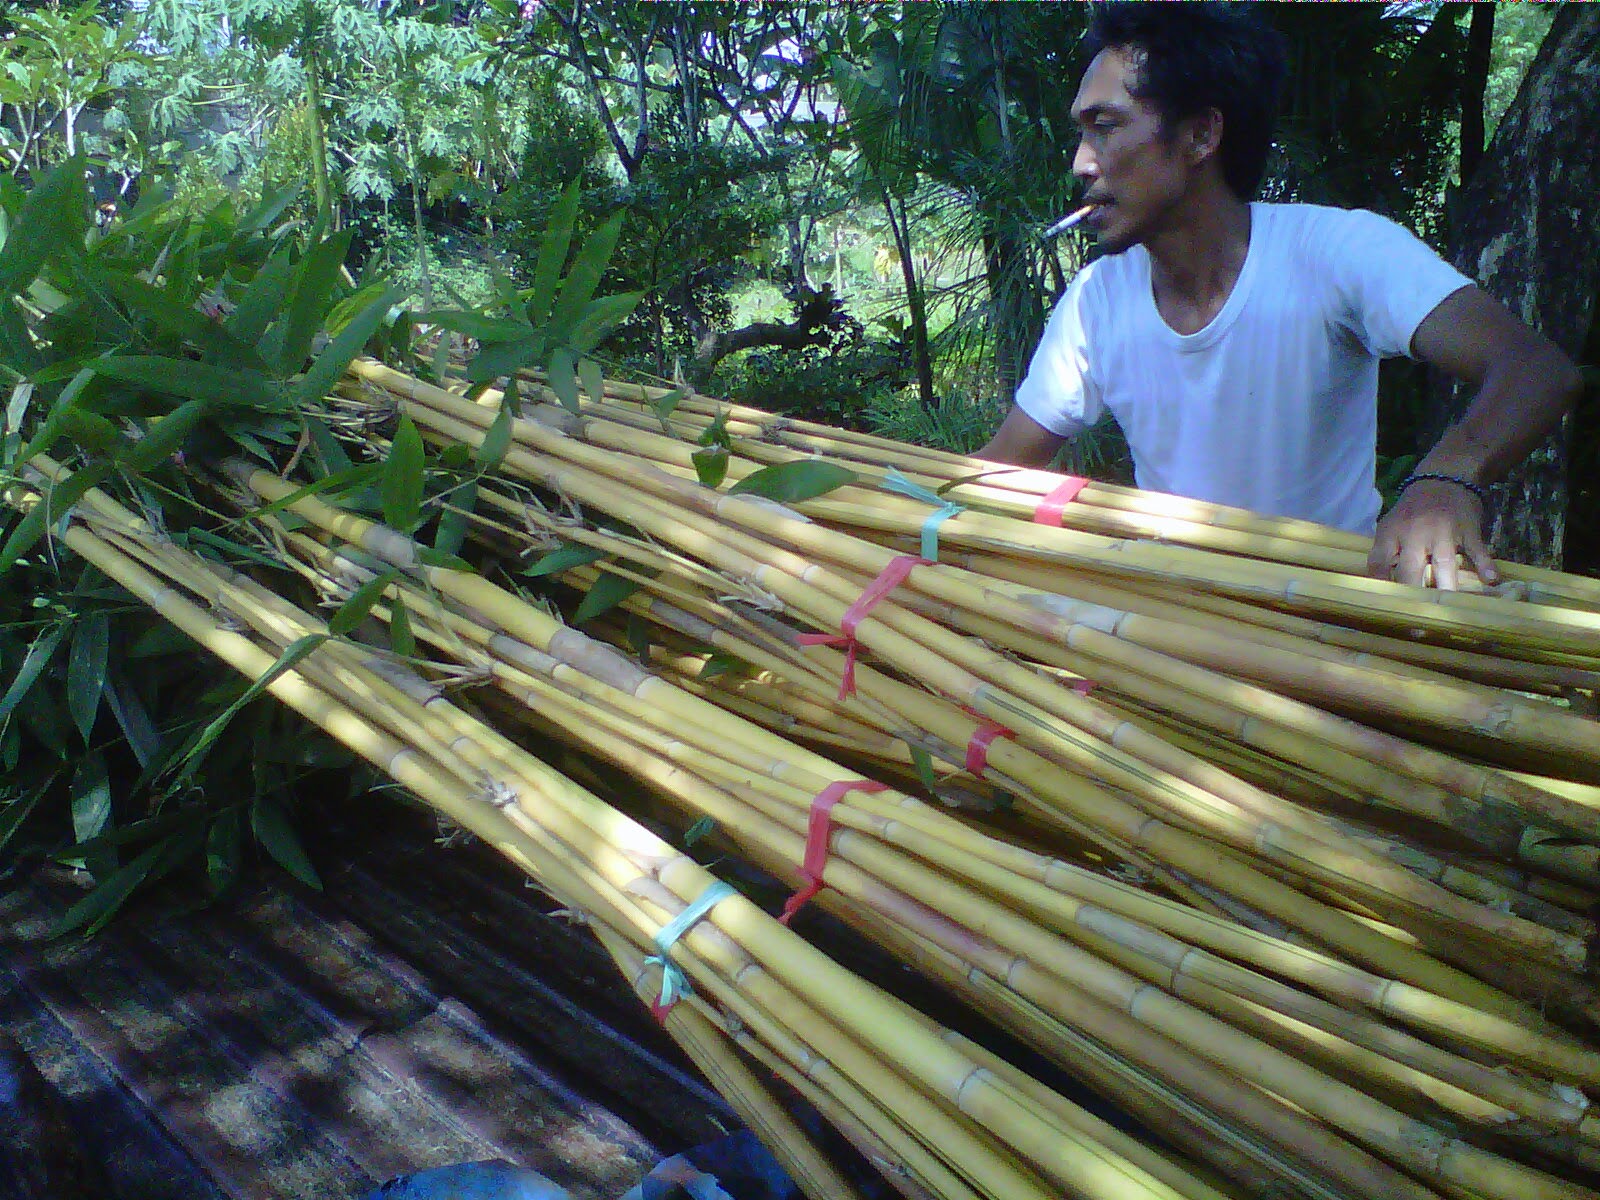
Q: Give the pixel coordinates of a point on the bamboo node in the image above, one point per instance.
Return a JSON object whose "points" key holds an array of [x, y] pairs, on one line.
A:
{"points": [[1427, 1143], [497, 792]]}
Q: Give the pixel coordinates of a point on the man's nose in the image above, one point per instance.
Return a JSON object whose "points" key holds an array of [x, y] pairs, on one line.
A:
{"points": [[1084, 164]]}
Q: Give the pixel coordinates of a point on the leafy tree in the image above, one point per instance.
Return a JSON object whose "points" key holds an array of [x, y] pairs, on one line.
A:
{"points": [[53, 66]]}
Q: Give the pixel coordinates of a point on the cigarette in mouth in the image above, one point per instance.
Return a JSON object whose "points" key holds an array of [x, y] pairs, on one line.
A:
{"points": [[1068, 222]]}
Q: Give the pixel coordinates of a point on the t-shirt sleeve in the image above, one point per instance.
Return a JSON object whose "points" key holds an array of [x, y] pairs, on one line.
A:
{"points": [[1060, 391], [1387, 278]]}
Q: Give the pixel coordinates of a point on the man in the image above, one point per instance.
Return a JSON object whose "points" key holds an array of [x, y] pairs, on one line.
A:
{"points": [[1237, 344]]}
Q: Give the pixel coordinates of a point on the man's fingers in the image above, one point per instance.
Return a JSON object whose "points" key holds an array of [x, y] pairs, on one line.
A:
{"points": [[1381, 558], [1478, 555], [1413, 563], [1445, 575]]}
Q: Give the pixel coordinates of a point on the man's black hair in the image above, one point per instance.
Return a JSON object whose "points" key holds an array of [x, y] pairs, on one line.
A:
{"points": [[1195, 56]]}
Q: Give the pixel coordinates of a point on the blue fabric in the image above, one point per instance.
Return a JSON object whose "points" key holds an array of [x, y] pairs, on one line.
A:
{"points": [[472, 1181]]}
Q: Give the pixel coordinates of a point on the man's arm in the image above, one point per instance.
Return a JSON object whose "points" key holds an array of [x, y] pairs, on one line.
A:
{"points": [[1022, 442], [1525, 385]]}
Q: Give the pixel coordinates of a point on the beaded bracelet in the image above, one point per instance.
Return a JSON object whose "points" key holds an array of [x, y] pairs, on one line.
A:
{"points": [[1422, 476]]}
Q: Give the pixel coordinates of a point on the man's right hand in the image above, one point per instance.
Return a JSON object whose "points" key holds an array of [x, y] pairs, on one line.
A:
{"points": [[1022, 442]]}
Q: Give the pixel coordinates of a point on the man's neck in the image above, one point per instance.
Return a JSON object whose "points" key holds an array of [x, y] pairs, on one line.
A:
{"points": [[1196, 260]]}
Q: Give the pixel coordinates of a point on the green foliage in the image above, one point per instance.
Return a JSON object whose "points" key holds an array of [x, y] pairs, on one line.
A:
{"points": [[139, 357]]}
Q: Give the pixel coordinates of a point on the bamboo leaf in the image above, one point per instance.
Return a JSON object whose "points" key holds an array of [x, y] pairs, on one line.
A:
{"points": [[16, 813], [92, 912], [315, 286], [342, 482], [292, 654], [430, 557], [564, 558], [269, 821], [261, 301], [583, 279], [564, 379], [60, 419], [212, 339], [721, 663], [403, 478], [336, 358], [334, 458], [793, 482], [702, 828], [353, 305], [401, 640], [496, 441], [224, 848], [711, 465], [356, 609], [133, 718], [456, 520], [503, 358], [924, 764], [165, 436], [55, 506], [17, 350], [599, 318], [86, 670], [260, 218], [194, 381], [667, 403], [638, 632], [50, 216], [607, 592], [594, 381], [511, 397], [91, 798], [475, 325], [553, 253]]}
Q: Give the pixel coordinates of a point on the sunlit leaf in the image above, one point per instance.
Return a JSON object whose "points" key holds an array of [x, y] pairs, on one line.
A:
{"points": [[564, 558], [607, 592], [793, 482]]}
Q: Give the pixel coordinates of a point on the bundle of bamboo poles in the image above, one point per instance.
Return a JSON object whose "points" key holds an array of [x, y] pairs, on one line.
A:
{"points": [[950, 1118], [1249, 872], [1277, 888]]}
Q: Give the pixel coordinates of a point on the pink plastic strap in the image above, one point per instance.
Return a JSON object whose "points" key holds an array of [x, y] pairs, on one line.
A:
{"points": [[1052, 506], [818, 830], [891, 577], [978, 748], [1083, 686]]}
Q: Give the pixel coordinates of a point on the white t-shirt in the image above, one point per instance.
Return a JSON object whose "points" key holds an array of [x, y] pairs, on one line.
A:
{"points": [[1273, 405]]}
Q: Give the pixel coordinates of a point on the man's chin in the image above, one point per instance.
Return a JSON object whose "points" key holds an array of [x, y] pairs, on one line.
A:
{"points": [[1115, 243]]}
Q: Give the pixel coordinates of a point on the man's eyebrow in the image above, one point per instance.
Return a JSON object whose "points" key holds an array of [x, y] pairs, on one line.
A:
{"points": [[1103, 108]]}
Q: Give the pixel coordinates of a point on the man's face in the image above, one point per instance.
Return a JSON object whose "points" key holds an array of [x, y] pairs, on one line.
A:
{"points": [[1132, 169]]}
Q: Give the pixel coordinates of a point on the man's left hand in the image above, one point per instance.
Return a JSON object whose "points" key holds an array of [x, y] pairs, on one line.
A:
{"points": [[1429, 524]]}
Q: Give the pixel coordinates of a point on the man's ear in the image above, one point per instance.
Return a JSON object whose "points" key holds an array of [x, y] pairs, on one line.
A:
{"points": [[1203, 135]]}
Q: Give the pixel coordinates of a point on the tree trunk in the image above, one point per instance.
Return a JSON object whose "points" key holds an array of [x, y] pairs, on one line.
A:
{"points": [[1480, 52], [1526, 234], [921, 359]]}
